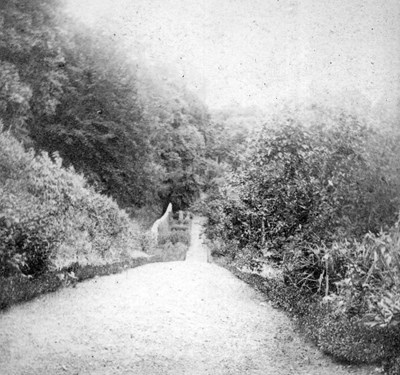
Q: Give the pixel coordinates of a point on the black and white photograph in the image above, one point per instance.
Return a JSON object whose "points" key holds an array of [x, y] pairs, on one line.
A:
{"points": [[199, 187]]}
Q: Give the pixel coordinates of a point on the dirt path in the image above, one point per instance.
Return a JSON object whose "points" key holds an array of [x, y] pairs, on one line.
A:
{"points": [[197, 251], [170, 318]]}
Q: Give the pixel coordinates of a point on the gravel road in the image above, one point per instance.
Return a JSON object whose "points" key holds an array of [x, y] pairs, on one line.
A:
{"points": [[176, 318]]}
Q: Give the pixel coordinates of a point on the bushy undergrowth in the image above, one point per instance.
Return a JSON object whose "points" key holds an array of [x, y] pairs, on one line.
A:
{"points": [[370, 286], [171, 246], [308, 185], [322, 203], [19, 288], [50, 218], [344, 337], [173, 239], [176, 236], [170, 252]]}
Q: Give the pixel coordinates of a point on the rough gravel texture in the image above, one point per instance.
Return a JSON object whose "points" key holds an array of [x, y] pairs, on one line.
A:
{"points": [[167, 318]]}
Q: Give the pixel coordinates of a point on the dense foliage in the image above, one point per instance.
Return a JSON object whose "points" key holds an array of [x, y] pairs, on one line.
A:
{"points": [[172, 238], [133, 129], [321, 202], [317, 198], [50, 218]]}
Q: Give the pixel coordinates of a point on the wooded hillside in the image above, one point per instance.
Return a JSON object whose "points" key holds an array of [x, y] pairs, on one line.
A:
{"points": [[133, 129]]}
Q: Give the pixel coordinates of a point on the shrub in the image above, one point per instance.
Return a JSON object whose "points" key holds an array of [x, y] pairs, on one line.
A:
{"points": [[180, 227], [305, 198], [220, 248], [147, 242], [347, 338], [302, 186], [393, 366], [173, 252], [50, 217], [371, 285], [176, 237], [316, 269]]}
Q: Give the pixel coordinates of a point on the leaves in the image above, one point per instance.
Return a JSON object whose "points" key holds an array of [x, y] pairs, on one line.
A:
{"points": [[134, 130], [307, 196], [50, 217]]}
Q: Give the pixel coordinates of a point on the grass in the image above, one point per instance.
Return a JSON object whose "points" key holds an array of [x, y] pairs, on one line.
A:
{"points": [[20, 288]]}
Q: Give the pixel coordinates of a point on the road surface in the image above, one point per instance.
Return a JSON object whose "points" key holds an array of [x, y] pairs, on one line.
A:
{"points": [[176, 318]]}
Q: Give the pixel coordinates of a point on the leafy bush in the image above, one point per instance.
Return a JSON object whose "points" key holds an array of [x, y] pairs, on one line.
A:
{"points": [[179, 227], [220, 248], [147, 242], [173, 251], [393, 366], [346, 337], [320, 201], [316, 269], [178, 236], [302, 186], [50, 218], [370, 286], [173, 238]]}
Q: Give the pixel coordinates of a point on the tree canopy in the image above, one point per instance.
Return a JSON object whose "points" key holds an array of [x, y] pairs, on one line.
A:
{"points": [[133, 129]]}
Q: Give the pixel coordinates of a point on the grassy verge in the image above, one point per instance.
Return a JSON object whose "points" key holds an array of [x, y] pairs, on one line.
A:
{"points": [[20, 288], [56, 229], [172, 246], [344, 337]]}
